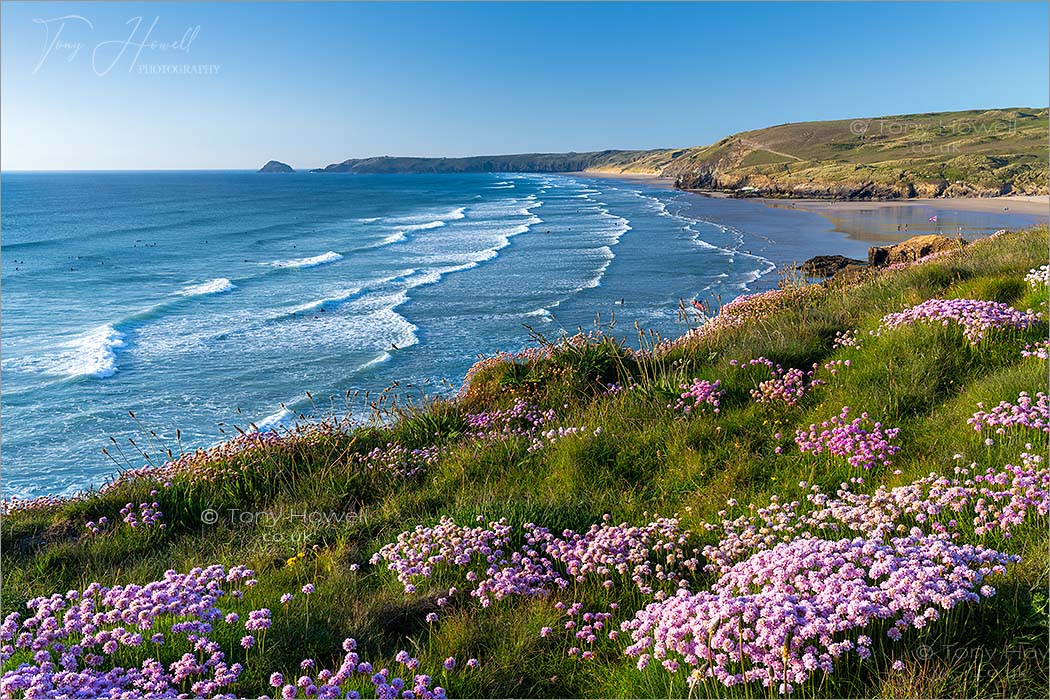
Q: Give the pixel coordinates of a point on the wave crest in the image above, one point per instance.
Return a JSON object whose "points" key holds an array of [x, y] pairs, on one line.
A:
{"points": [[215, 286], [322, 259]]}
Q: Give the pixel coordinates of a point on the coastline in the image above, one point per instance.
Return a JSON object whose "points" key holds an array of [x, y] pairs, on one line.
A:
{"points": [[881, 222]]}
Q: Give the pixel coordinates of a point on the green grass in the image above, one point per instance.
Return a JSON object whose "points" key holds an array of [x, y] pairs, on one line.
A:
{"points": [[967, 153], [646, 459]]}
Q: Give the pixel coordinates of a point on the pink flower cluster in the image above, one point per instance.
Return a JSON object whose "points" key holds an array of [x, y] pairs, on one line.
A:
{"points": [[992, 501], [699, 394], [791, 611], [553, 435], [584, 627], [646, 555], [649, 553], [1039, 350], [147, 515], [744, 310], [75, 641], [976, 317], [846, 339], [995, 500], [787, 386], [1038, 277], [416, 553], [522, 419], [47, 502], [397, 460], [325, 683], [861, 446], [1025, 414], [96, 528]]}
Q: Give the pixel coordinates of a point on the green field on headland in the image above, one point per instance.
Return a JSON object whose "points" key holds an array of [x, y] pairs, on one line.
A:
{"points": [[816, 493]]}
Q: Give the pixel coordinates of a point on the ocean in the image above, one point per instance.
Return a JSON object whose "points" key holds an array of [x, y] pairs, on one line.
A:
{"points": [[200, 301]]}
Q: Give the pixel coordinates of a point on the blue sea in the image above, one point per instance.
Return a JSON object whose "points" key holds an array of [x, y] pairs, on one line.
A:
{"points": [[200, 301]]}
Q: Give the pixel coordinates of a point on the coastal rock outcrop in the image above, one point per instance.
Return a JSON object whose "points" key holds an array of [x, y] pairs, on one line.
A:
{"points": [[828, 265], [276, 166], [912, 249]]}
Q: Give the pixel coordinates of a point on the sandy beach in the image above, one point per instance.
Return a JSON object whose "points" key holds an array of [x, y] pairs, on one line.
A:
{"points": [[651, 178], [1019, 204]]}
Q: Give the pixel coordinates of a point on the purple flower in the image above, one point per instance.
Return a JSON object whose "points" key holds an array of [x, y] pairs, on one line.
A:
{"points": [[977, 318], [860, 445]]}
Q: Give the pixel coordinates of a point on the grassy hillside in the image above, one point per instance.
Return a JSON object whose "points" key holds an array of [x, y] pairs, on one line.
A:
{"points": [[437, 538], [972, 153], [941, 154]]}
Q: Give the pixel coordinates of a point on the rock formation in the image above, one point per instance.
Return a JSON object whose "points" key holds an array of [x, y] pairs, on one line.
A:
{"points": [[276, 166], [912, 249]]}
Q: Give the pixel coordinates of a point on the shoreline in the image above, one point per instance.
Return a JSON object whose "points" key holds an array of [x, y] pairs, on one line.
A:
{"points": [[650, 178], [842, 227], [1018, 204]]}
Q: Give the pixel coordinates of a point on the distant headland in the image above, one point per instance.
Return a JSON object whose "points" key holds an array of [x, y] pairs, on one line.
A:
{"points": [[975, 153]]}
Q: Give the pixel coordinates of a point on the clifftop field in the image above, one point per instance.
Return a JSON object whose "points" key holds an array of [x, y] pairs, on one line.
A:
{"points": [[976, 153], [819, 492]]}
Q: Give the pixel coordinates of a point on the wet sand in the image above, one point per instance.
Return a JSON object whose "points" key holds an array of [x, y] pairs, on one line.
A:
{"points": [[1018, 204], [648, 178]]}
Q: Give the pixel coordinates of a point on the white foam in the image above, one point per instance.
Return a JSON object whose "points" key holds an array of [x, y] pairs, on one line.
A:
{"points": [[281, 419], [395, 237], [543, 313], [323, 259], [215, 286], [427, 218], [378, 360], [93, 355], [407, 224], [327, 302], [424, 227]]}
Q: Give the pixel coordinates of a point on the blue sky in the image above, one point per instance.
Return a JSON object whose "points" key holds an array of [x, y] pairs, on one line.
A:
{"points": [[314, 83]]}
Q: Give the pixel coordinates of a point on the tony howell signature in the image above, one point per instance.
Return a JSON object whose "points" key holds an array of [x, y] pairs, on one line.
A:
{"points": [[63, 37]]}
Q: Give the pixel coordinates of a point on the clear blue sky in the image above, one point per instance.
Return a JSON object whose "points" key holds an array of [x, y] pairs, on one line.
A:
{"points": [[314, 83]]}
